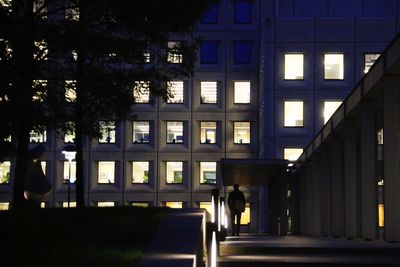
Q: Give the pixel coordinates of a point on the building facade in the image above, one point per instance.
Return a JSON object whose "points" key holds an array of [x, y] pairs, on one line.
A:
{"points": [[268, 76]]}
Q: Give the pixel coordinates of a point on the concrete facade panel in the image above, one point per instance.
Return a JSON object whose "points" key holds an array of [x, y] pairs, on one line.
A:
{"points": [[345, 8], [311, 8], [375, 29], [294, 30], [334, 30]]}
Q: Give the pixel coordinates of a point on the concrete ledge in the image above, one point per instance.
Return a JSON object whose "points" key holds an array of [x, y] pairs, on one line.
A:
{"points": [[178, 241]]}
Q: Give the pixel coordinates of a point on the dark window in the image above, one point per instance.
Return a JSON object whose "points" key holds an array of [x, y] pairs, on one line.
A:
{"points": [[211, 15], [242, 52], [242, 12], [209, 52]]}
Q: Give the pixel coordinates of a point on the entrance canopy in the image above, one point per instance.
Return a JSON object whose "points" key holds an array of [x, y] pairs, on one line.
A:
{"points": [[252, 171]]}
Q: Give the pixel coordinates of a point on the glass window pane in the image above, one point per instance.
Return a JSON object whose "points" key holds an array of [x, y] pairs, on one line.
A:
{"points": [[369, 60], [105, 204], [106, 172], [208, 132], [292, 154], [242, 52], [242, 92], [40, 51], [71, 11], [38, 137], [174, 204], [294, 66], [241, 132], [208, 172], [141, 92], [293, 114], [242, 12], [174, 172], [174, 52], [72, 204], [176, 92], [208, 92], [140, 172], [245, 219], [330, 108], [211, 15], [334, 66], [5, 168], [69, 137], [209, 52], [140, 204], [107, 130], [70, 90], [4, 206], [141, 132], [67, 173], [175, 132]]}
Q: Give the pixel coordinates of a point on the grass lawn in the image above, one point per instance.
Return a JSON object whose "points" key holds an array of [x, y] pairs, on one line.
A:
{"points": [[77, 237]]}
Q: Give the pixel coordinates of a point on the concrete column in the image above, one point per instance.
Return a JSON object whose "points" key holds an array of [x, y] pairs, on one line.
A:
{"points": [[337, 187], [326, 190], [391, 159], [350, 178], [368, 171], [302, 199], [309, 199], [316, 192]]}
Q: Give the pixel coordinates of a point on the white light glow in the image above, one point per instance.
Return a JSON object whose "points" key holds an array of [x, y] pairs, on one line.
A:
{"points": [[69, 155], [214, 250], [212, 210]]}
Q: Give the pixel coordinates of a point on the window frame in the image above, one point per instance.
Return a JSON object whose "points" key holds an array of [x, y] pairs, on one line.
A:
{"points": [[201, 93], [183, 134], [216, 133], [235, 52], [148, 133], [343, 61], [234, 92], [214, 61], [200, 174], [182, 173], [284, 113], [106, 125], [234, 140], [284, 67], [148, 173], [98, 172]]}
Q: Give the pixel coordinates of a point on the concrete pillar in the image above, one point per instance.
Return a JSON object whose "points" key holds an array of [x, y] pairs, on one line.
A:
{"points": [[350, 178], [337, 187], [316, 193], [391, 159], [303, 200], [309, 199], [368, 171], [326, 190]]}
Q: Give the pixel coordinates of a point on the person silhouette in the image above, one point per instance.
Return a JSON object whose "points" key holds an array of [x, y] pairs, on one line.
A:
{"points": [[236, 203]]}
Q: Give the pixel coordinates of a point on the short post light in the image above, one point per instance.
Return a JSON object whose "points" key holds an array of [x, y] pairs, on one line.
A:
{"points": [[69, 153]]}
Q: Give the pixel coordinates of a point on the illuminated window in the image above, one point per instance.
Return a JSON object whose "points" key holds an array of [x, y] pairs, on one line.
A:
{"points": [[40, 8], [107, 131], [369, 60], [5, 3], [42, 205], [67, 172], [106, 172], [72, 204], [141, 132], [208, 172], [5, 167], [140, 204], [4, 205], [242, 12], [208, 132], [69, 135], [71, 11], [209, 52], [293, 114], [38, 136], [174, 132], [140, 172], [103, 204], [381, 215], [241, 132], [5, 50], [70, 90], [242, 52], [242, 92], [174, 204], [208, 94], [41, 51], [176, 92], [294, 66], [174, 172], [292, 154], [174, 52], [245, 219], [329, 108], [334, 66], [211, 15], [40, 90], [208, 208], [141, 92]]}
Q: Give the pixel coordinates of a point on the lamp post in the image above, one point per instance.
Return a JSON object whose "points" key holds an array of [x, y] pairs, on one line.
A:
{"points": [[69, 152]]}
